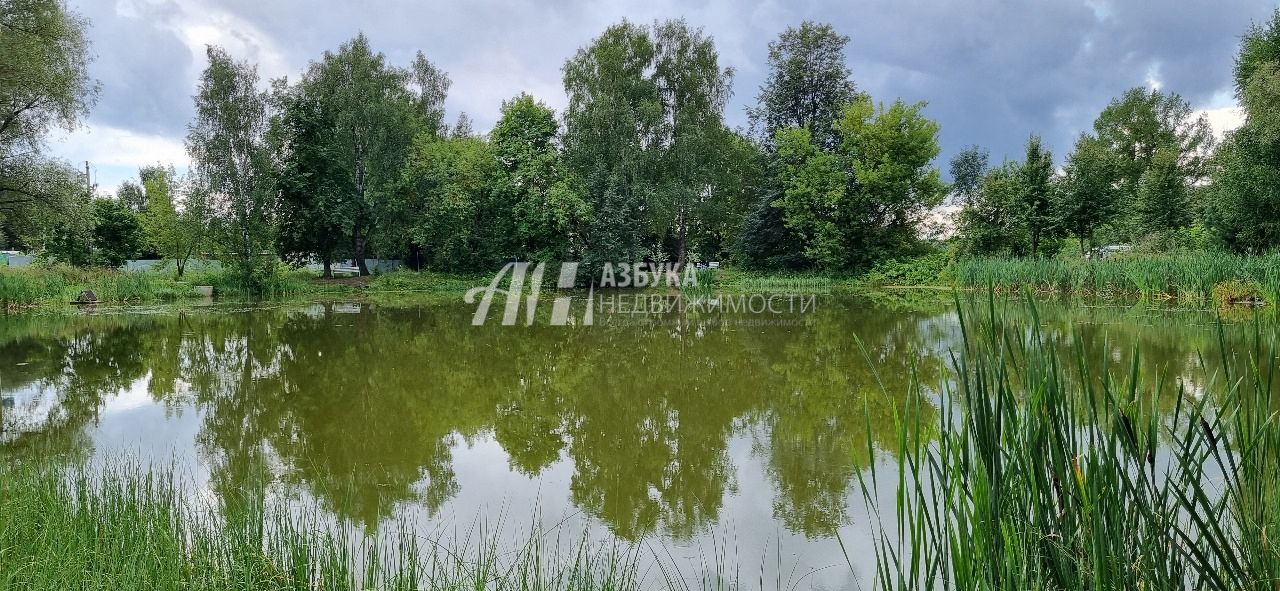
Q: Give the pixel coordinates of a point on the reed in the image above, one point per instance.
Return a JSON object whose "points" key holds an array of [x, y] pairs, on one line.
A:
{"points": [[1190, 277], [1041, 482], [134, 528]]}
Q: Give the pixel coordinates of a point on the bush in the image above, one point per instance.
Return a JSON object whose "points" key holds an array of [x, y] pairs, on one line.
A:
{"points": [[1233, 293], [934, 268]]}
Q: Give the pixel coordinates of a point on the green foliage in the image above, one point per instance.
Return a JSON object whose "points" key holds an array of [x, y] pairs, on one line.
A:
{"points": [[44, 84], [808, 84], [1244, 200], [1163, 204], [1138, 126], [455, 219], [991, 224], [230, 160], [174, 228], [133, 195], [645, 137], [968, 168], [766, 242], [1035, 207], [312, 200], [59, 284], [543, 199], [1236, 292], [1089, 195], [1259, 51], [117, 233], [808, 87], [432, 88], [368, 118], [866, 199], [813, 192], [932, 269]]}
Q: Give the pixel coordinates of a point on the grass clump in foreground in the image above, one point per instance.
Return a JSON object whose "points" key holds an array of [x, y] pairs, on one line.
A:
{"points": [[130, 529], [1042, 482]]}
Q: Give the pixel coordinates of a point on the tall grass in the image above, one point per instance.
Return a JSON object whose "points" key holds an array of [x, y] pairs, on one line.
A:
{"points": [[134, 529], [735, 280], [61, 284], [1189, 276], [1041, 482]]}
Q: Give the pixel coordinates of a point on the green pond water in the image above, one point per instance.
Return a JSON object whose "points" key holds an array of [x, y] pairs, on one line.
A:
{"points": [[727, 436]]}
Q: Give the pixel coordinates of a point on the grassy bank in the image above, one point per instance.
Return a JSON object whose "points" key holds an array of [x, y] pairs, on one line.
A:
{"points": [[134, 529], [1194, 277], [34, 287], [1045, 483]]}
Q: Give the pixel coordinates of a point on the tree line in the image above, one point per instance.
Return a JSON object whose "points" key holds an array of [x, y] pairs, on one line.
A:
{"points": [[356, 159]]}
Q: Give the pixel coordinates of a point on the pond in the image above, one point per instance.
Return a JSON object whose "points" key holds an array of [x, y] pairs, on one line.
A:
{"points": [[705, 436]]}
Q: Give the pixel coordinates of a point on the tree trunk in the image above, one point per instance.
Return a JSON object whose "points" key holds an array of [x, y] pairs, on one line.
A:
{"points": [[684, 240], [328, 267], [415, 257], [248, 251], [359, 234], [360, 241]]}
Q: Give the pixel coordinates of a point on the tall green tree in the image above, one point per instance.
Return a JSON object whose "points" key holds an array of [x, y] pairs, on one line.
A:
{"points": [[1090, 193], [813, 197], [431, 88], [313, 199], [693, 90], [44, 84], [1163, 196], [1037, 201], [371, 111], [132, 194], [1136, 127], [450, 184], [968, 167], [808, 84], [61, 225], [175, 218], [547, 208], [1244, 197], [230, 160], [615, 114], [865, 201], [645, 137], [992, 224], [117, 234]]}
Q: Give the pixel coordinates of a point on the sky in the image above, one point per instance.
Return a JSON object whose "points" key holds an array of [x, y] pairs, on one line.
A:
{"points": [[992, 71]]}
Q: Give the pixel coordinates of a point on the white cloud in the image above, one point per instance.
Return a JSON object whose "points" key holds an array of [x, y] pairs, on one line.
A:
{"points": [[1224, 119], [1223, 113], [197, 23], [115, 154]]}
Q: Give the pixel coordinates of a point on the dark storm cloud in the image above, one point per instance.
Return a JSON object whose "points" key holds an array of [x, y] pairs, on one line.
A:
{"points": [[143, 70], [993, 71]]}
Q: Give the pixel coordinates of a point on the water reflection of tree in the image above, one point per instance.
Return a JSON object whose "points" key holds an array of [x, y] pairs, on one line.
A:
{"points": [[830, 391], [77, 360], [365, 410]]}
